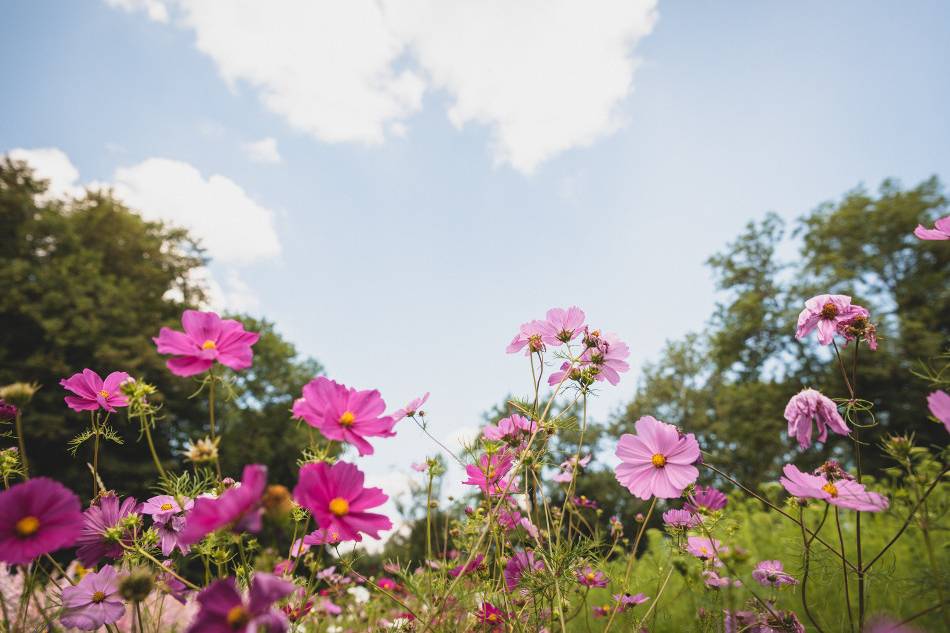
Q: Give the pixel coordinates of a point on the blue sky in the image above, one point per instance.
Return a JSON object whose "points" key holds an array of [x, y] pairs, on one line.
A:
{"points": [[401, 225]]}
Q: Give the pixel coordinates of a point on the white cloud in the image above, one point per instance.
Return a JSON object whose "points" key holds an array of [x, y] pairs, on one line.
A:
{"points": [[262, 151], [155, 9], [543, 75], [53, 165]]}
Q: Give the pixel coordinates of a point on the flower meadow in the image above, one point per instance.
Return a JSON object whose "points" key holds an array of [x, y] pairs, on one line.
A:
{"points": [[211, 551]]}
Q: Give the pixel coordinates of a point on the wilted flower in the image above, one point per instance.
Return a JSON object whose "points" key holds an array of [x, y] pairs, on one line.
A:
{"points": [[771, 573], [223, 608], [656, 461], [809, 405], [339, 502], [93, 601], [344, 414], [939, 404], [203, 451], [825, 312], [93, 393], [941, 230], [207, 338], [859, 328], [37, 517], [238, 508], [106, 528], [844, 493]]}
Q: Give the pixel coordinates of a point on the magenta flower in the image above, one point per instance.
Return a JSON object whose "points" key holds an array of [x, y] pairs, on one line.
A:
{"points": [[466, 568], [806, 406], [589, 577], [238, 508], [656, 461], [93, 393], [339, 502], [518, 564], [825, 312], [344, 414], [491, 615], [941, 230], [322, 537], [412, 408], [37, 517], [8, 411], [529, 335], [705, 499], [103, 531], [93, 602], [680, 519], [169, 528], [562, 326], [488, 474], [207, 338], [771, 573], [223, 610], [939, 404], [510, 427], [844, 493]]}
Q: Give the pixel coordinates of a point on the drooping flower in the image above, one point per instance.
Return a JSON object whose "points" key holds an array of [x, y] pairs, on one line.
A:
{"points": [[510, 427], [491, 615], [806, 406], [825, 312], [37, 517], [589, 577], [92, 393], [489, 473], [568, 467], [344, 414], [845, 493], [562, 326], [704, 548], [858, 327], [238, 508], [939, 404], [705, 499], [468, 567], [411, 409], [529, 335], [522, 562], [105, 529], [207, 339], [771, 573], [94, 601], [223, 610], [339, 502], [680, 518], [941, 230], [656, 461]]}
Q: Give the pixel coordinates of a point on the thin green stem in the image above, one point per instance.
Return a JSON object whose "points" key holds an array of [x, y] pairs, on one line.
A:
{"points": [[213, 379], [844, 572], [630, 561], [806, 543], [151, 448], [22, 443]]}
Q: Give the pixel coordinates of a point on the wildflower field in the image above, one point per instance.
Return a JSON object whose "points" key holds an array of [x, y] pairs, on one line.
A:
{"points": [[847, 533]]}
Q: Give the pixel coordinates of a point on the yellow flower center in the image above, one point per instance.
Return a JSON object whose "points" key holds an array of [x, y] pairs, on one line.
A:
{"points": [[591, 576], [831, 489], [209, 344], [339, 506], [27, 526], [238, 617], [104, 393], [167, 506], [606, 607], [347, 418], [98, 597], [659, 461], [492, 617]]}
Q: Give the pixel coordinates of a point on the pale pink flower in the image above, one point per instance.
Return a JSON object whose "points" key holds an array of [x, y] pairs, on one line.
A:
{"points": [[657, 461], [941, 230], [825, 312], [680, 518], [704, 548], [411, 409], [809, 405], [529, 335], [510, 427], [844, 493], [566, 469], [562, 326], [939, 404], [771, 573]]}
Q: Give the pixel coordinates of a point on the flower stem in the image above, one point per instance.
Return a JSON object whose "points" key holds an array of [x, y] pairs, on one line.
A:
{"points": [[93, 417], [217, 461], [630, 561], [844, 572], [151, 448], [19, 436], [806, 553]]}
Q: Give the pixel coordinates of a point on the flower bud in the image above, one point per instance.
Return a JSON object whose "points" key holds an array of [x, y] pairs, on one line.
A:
{"points": [[137, 585]]}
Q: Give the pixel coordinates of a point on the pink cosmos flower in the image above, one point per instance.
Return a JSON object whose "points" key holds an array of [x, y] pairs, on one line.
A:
{"points": [[387, 583], [884, 624], [421, 467], [93, 602], [169, 528], [825, 312], [844, 493], [411, 409], [491, 616], [941, 230], [223, 610], [714, 581], [583, 502], [859, 327], [529, 335], [339, 502], [238, 508], [8, 411], [771, 573], [207, 338], [510, 427], [490, 471], [94, 543], [566, 469], [939, 404], [344, 414], [37, 517], [562, 326], [518, 564], [704, 548], [680, 518], [467, 568], [93, 393], [322, 537], [165, 504], [605, 357], [589, 577], [622, 602], [808, 405], [705, 498], [656, 461]]}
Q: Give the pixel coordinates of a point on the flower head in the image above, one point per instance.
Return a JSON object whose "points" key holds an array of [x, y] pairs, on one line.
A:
{"points": [[489, 473], [411, 409], [491, 615], [656, 461], [344, 414], [941, 230], [704, 548], [207, 339], [512, 427], [589, 577], [202, 451], [339, 502], [92, 393], [321, 536], [680, 519], [106, 528], [705, 499], [238, 508], [224, 610], [771, 573], [521, 562], [562, 326], [568, 468], [825, 312], [939, 404], [530, 335], [809, 405], [8, 411], [93, 601], [468, 567], [858, 327], [845, 493], [37, 517], [166, 504]]}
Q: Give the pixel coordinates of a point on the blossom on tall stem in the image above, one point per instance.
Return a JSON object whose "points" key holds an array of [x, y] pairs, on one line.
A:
{"points": [[530, 335], [489, 473], [844, 493], [105, 529], [562, 326], [607, 357], [705, 499], [491, 615], [939, 404], [859, 328], [412, 408], [92, 393], [338, 501], [810, 405], [704, 548], [657, 461], [522, 562], [510, 427], [941, 230], [344, 414], [589, 577], [37, 517], [468, 567], [93, 602], [825, 312], [771, 573], [207, 339], [680, 519], [568, 467], [238, 508], [224, 610]]}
